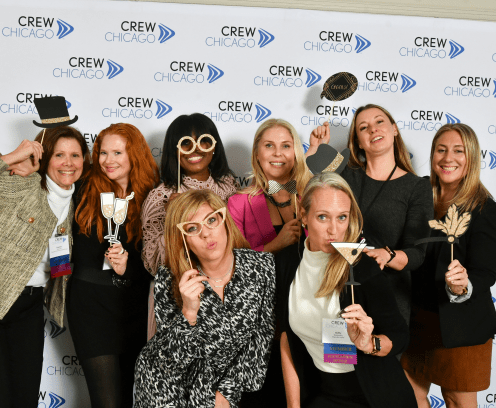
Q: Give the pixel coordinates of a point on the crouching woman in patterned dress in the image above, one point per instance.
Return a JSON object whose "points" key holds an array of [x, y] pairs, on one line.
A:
{"points": [[215, 321]]}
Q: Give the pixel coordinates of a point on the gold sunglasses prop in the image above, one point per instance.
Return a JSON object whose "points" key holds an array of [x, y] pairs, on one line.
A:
{"points": [[186, 145], [194, 228]]}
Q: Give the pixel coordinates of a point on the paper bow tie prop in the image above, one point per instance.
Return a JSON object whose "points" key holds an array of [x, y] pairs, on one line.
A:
{"points": [[275, 187], [454, 226], [326, 158], [350, 251]]}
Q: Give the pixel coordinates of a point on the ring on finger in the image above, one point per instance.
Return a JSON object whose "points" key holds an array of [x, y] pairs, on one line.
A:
{"points": [[122, 251]]}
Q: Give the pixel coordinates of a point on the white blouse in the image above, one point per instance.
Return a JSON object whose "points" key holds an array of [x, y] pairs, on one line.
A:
{"points": [[306, 311]]}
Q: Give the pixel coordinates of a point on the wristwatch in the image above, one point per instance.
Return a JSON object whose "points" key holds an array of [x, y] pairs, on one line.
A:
{"points": [[464, 291], [376, 343], [391, 253]]}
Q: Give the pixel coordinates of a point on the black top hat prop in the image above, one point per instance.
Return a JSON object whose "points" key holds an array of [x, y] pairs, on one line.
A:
{"points": [[53, 112], [327, 158]]}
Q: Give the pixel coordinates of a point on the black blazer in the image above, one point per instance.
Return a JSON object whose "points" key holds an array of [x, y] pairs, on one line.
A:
{"points": [[382, 379], [472, 322]]}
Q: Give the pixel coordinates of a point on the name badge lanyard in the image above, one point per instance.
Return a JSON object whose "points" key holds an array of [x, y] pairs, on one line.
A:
{"points": [[366, 210]]}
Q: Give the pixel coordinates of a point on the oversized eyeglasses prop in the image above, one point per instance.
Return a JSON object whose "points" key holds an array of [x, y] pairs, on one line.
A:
{"points": [[205, 143], [454, 226], [194, 228], [350, 251], [114, 209]]}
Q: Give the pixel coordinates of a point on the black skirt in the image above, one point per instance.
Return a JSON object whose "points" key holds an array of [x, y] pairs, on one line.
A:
{"points": [[105, 319]]}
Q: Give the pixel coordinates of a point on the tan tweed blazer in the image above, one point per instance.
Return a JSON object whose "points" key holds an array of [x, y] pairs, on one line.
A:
{"points": [[26, 224]]}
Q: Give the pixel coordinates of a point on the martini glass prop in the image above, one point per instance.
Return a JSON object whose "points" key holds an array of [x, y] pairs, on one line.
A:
{"points": [[107, 202], [120, 214], [350, 251], [186, 145], [454, 226]]}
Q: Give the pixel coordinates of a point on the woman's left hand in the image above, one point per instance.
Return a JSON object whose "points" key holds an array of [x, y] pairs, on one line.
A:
{"points": [[220, 401], [457, 277], [117, 256], [359, 327], [380, 255]]}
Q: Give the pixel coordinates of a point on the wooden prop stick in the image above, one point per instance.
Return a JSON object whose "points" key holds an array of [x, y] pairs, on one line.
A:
{"points": [[187, 251], [179, 172], [43, 135], [330, 115]]}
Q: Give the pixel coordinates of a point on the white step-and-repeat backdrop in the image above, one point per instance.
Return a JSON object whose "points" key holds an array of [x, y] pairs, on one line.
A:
{"points": [[147, 63]]}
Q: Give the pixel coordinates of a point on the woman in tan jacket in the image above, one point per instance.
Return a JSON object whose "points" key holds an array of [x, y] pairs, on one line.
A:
{"points": [[35, 205]]}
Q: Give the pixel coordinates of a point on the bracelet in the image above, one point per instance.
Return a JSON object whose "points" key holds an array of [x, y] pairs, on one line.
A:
{"points": [[465, 291]]}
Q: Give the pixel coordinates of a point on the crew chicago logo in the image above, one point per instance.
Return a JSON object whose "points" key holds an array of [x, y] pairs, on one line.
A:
{"points": [[88, 68], [240, 37], [137, 108], [432, 47], [190, 72], [141, 32], [239, 112], [337, 41], [24, 104], [38, 27], [385, 81], [336, 116], [426, 120], [472, 86], [56, 401], [288, 76]]}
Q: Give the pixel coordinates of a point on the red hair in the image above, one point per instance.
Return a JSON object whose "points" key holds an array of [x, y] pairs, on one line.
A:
{"points": [[144, 175]]}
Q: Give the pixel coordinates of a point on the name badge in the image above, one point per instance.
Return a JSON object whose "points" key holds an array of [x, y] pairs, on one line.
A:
{"points": [[338, 347], [59, 256]]}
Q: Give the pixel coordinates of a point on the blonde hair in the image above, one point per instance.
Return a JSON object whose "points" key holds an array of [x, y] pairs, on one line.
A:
{"points": [[358, 157], [180, 210], [470, 192], [337, 269], [299, 171]]}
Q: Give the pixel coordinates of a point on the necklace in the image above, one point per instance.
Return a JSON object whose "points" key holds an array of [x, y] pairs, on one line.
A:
{"points": [[221, 278], [277, 204]]}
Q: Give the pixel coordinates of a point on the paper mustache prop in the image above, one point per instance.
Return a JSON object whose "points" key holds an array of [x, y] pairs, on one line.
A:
{"points": [[454, 226]]}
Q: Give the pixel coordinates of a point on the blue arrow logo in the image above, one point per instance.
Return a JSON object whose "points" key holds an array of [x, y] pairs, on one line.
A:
{"points": [[262, 112], [312, 78], [162, 109], [408, 83], [68, 104], [265, 38], [214, 73], [165, 33], [56, 400], [64, 29], [492, 165], [362, 43], [436, 402], [452, 119], [114, 69], [306, 146], [494, 93], [456, 49]]}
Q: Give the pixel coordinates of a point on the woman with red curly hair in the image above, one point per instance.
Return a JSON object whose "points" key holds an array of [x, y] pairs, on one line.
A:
{"points": [[108, 291]]}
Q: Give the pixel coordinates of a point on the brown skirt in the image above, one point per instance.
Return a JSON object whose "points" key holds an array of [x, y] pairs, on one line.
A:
{"points": [[465, 369]]}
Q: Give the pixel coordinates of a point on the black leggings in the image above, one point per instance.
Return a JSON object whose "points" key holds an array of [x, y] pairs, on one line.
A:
{"points": [[110, 380]]}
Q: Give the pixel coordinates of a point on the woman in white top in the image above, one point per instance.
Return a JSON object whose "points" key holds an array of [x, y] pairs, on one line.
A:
{"points": [[316, 289]]}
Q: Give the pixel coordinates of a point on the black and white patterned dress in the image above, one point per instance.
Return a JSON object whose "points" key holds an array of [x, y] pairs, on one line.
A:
{"points": [[227, 350]]}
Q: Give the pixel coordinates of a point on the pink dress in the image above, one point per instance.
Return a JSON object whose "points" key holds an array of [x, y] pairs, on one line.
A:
{"points": [[153, 218]]}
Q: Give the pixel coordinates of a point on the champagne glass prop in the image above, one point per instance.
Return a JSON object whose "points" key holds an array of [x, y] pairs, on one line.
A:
{"points": [[454, 226], [120, 214], [350, 251], [107, 202]]}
